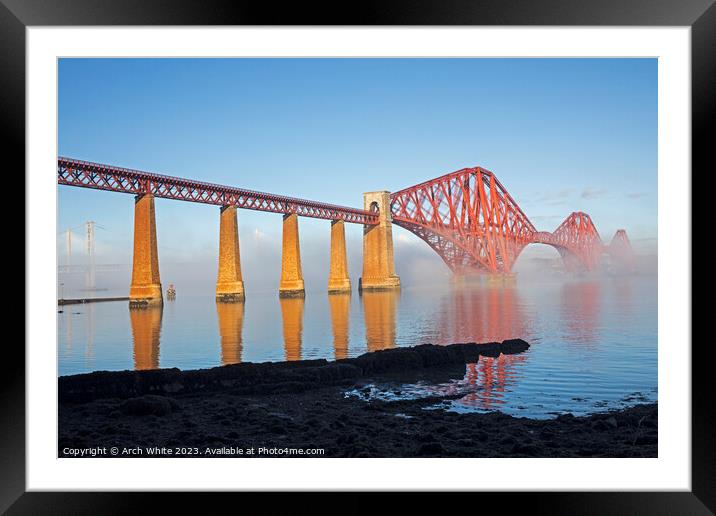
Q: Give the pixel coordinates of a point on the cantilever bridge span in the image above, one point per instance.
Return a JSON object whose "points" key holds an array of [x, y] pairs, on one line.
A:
{"points": [[473, 223], [467, 217]]}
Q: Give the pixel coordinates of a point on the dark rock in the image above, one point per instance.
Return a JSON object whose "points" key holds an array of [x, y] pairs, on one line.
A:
{"points": [[271, 377], [524, 449], [513, 346], [149, 404], [600, 425], [611, 421], [645, 439], [430, 449], [491, 349], [647, 423]]}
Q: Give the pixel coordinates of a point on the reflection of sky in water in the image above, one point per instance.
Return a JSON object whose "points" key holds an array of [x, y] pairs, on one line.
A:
{"points": [[593, 343]]}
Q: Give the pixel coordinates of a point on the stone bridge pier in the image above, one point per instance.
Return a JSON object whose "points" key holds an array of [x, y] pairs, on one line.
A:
{"points": [[378, 259], [229, 283], [146, 287], [291, 273], [338, 280]]}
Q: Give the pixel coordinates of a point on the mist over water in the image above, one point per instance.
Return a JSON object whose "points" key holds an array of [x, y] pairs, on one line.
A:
{"points": [[190, 262]]}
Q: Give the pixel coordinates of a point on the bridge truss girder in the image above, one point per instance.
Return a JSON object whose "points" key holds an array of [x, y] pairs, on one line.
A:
{"points": [[469, 219]]}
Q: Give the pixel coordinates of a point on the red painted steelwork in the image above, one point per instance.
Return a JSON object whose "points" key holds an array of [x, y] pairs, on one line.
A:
{"points": [[467, 217], [577, 240], [105, 177], [471, 221]]}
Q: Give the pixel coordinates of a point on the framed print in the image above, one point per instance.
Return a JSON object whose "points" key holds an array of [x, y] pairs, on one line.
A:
{"points": [[442, 249]]}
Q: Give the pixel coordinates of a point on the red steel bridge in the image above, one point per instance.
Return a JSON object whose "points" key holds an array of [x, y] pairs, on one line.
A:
{"points": [[473, 223], [467, 217]]}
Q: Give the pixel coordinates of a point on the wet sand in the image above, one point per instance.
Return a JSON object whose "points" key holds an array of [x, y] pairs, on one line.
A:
{"points": [[291, 409]]}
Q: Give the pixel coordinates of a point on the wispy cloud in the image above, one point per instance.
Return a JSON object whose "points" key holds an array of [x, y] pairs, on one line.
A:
{"points": [[563, 194], [593, 193], [635, 195]]}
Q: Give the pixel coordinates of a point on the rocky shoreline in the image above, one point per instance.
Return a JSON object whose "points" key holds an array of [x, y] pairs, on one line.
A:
{"points": [[300, 408]]}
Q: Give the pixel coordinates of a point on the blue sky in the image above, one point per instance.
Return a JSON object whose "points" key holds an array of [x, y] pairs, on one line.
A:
{"points": [[562, 135]]}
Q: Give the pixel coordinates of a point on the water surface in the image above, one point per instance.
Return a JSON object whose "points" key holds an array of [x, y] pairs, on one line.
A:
{"points": [[594, 342]]}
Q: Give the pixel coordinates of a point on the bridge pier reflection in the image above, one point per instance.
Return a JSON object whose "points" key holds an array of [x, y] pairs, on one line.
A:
{"points": [[379, 311], [146, 329], [231, 322], [292, 316], [340, 306]]}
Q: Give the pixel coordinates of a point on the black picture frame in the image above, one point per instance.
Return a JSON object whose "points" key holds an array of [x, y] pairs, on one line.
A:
{"points": [[16, 15]]}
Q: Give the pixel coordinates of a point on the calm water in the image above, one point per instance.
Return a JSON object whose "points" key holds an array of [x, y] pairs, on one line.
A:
{"points": [[594, 343]]}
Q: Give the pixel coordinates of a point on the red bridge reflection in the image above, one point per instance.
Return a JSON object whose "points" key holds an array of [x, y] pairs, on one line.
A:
{"points": [[580, 311], [489, 379]]}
